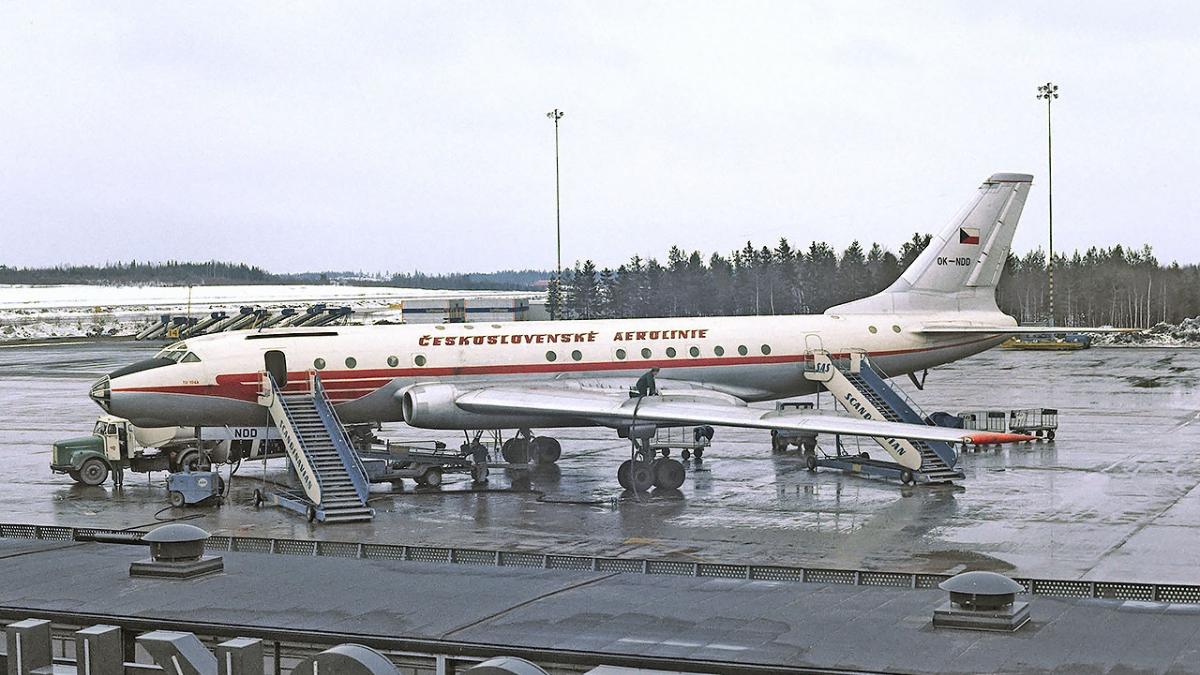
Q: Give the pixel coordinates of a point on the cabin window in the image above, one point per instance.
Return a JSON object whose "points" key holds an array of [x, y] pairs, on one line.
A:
{"points": [[766, 349], [620, 354], [694, 351], [719, 350], [419, 359], [742, 350], [551, 356], [393, 361], [319, 364], [576, 355], [351, 362], [872, 329], [670, 352], [440, 327], [645, 352], [895, 329]]}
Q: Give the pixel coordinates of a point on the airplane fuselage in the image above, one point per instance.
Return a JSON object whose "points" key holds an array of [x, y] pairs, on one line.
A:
{"points": [[364, 368]]}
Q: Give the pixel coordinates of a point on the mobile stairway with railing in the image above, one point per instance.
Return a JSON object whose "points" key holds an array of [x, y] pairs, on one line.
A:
{"points": [[332, 481], [864, 391]]}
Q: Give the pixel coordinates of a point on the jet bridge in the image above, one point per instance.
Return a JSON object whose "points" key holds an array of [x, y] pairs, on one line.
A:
{"points": [[332, 481], [864, 391]]}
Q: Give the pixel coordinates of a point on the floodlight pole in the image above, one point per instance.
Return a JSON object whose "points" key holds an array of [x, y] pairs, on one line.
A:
{"points": [[557, 115], [1049, 92]]}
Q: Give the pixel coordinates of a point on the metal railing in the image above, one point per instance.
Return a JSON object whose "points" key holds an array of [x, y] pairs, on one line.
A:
{"points": [[1060, 588]]}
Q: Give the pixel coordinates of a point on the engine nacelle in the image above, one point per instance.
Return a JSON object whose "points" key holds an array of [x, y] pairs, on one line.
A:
{"points": [[432, 406]]}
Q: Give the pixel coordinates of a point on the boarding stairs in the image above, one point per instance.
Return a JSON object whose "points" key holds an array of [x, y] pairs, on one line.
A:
{"points": [[333, 482], [864, 390]]}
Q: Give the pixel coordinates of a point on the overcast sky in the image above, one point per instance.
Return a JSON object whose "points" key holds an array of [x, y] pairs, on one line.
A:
{"points": [[400, 136]]}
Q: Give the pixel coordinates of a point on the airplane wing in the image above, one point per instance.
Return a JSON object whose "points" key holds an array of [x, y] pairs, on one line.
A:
{"points": [[617, 409], [1020, 330]]}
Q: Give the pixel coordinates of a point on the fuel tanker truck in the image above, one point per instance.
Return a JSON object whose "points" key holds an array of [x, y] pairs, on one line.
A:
{"points": [[115, 446]]}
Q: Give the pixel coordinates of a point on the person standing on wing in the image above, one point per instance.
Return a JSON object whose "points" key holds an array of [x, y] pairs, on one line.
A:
{"points": [[646, 386]]}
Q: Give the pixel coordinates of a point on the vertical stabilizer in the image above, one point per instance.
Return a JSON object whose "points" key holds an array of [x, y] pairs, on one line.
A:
{"points": [[960, 268]]}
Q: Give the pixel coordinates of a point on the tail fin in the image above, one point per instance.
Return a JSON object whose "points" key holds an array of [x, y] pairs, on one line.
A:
{"points": [[960, 268]]}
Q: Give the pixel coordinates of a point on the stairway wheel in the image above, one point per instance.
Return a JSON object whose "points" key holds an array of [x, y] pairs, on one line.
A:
{"points": [[907, 477], [311, 513]]}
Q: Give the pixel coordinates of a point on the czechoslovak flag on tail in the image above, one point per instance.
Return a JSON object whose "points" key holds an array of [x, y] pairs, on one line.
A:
{"points": [[968, 235]]}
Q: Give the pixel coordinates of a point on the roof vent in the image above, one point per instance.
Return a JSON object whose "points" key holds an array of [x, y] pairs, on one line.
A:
{"points": [[982, 601], [176, 552]]}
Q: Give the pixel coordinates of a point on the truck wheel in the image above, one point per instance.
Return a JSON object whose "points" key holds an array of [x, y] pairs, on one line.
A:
{"points": [[1050, 435], [74, 476], [432, 477], [176, 498], [810, 444], [93, 472], [193, 460]]}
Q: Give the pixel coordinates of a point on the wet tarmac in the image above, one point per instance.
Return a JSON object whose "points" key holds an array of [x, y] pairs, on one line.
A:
{"points": [[1115, 497]]}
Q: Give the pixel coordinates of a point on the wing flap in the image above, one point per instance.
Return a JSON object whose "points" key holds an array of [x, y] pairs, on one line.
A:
{"points": [[611, 410]]}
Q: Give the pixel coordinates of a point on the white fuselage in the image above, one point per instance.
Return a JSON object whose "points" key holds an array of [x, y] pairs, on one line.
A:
{"points": [[363, 368]]}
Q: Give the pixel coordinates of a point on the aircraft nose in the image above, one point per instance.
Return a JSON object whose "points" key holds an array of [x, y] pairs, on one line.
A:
{"points": [[101, 393]]}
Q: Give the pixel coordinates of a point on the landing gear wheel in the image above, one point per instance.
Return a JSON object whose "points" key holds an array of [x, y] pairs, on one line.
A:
{"points": [[479, 474], [666, 452], [686, 454], [176, 498], [515, 451], [258, 498], [778, 443], [310, 513], [699, 453], [93, 472], [641, 476], [432, 477], [906, 477], [623, 472], [810, 461], [546, 450], [668, 474]]}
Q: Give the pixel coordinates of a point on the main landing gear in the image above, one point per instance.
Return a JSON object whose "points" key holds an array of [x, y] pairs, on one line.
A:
{"points": [[523, 447], [644, 471]]}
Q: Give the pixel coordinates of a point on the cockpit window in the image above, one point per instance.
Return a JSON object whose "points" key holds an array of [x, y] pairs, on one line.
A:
{"points": [[173, 352], [190, 358]]}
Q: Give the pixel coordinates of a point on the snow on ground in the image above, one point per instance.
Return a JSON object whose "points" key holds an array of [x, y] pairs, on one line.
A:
{"points": [[1162, 334], [36, 312]]}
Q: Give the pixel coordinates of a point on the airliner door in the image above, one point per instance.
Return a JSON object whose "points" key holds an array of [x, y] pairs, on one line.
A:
{"points": [[276, 364], [812, 343]]}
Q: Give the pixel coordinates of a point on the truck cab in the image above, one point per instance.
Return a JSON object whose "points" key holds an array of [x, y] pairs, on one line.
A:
{"points": [[114, 446]]}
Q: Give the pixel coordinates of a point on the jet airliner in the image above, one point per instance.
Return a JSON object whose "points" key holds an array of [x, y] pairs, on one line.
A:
{"points": [[549, 374]]}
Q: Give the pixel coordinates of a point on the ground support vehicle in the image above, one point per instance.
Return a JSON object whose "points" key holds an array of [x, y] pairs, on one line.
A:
{"points": [[116, 446], [1040, 422], [690, 440], [426, 464], [186, 488], [985, 420], [782, 440]]}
